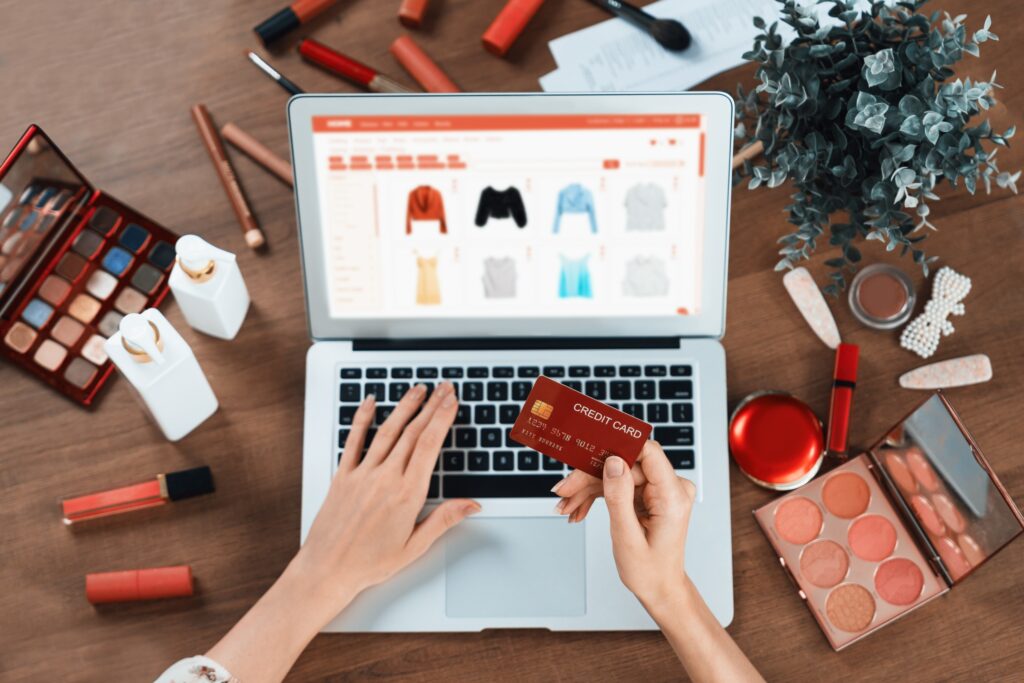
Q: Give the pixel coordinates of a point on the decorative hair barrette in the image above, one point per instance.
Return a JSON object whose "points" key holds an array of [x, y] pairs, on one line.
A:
{"points": [[923, 333]]}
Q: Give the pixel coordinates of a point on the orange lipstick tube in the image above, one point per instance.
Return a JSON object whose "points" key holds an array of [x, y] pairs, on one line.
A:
{"points": [[139, 584], [420, 66], [509, 23]]}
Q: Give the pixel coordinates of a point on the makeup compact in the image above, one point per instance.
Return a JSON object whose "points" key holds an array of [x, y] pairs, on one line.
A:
{"points": [[776, 440], [73, 262], [882, 297], [892, 528]]}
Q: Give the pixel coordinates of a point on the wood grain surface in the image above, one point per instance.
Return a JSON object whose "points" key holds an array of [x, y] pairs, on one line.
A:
{"points": [[112, 83]]}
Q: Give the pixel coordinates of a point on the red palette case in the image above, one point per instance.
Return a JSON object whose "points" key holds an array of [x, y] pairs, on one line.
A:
{"points": [[73, 262]]}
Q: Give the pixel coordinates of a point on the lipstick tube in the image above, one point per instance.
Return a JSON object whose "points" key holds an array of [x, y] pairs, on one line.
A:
{"points": [[165, 488], [139, 584], [411, 12], [509, 23], [348, 68], [420, 66], [290, 18], [844, 381]]}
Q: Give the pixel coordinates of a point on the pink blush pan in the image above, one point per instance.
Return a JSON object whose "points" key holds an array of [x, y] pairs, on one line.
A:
{"points": [[798, 520], [872, 538], [899, 581]]}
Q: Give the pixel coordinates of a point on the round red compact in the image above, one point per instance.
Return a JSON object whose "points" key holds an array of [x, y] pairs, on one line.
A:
{"points": [[776, 440]]}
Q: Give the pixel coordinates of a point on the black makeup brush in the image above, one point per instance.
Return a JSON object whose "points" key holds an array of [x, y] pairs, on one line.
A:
{"points": [[669, 33]]}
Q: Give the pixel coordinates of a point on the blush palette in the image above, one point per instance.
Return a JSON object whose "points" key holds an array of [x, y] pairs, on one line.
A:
{"points": [[73, 262], [892, 528]]}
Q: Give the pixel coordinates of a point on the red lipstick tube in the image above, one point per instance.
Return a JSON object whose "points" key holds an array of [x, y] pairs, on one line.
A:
{"points": [[290, 18], [420, 66], [844, 381], [509, 23], [348, 68], [164, 489], [139, 584]]}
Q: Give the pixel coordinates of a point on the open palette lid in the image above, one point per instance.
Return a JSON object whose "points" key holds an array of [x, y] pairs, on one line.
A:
{"points": [[946, 488], [40, 193]]}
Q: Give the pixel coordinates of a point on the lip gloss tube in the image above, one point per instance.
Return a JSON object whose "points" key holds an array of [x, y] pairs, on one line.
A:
{"points": [[165, 488], [844, 381], [348, 68], [139, 584], [420, 66], [509, 23]]}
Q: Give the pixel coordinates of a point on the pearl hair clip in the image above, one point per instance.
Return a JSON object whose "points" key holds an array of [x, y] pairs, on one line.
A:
{"points": [[923, 333]]}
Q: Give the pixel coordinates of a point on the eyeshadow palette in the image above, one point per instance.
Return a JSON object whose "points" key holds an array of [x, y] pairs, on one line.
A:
{"points": [[73, 262], [892, 528]]}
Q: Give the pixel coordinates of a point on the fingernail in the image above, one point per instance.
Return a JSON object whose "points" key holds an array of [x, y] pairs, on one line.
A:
{"points": [[614, 466], [370, 398], [554, 489], [560, 505], [449, 401], [420, 389], [472, 508], [445, 389]]}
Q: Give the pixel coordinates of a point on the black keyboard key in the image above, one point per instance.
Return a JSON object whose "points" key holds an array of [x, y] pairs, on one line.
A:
{"points": [[383, 413], [479, 461], [454, 461], [552, 464], [573, 384], [655, 371], [346, 414], [680, 459], [528, 460], [449, 439], [674, 436], [464, 415], [397, 390], [478, 372], [657, 412], [434, 491], [682, 412], [504, 372], [490, 438], [401, 373], [507, 414], [504, 461], [351, 392], [509, 443], [675, 389], [634, 409], [520, 390], [465, 437], [621, 390], [375, 388], [528, 371], [629, 371], [604, 371], [505, 486], [497, 391], [376, 373], [596, 389], [426, 373], [451, 373], [579, 371], [429, 386], [643, 389], [351, 373], [554, 371], [484, 415], [472, 391], [342, 436], [680, 371]]}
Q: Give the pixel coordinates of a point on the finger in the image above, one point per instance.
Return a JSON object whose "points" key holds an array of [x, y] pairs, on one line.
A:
{"points": [[567, 506], [399, 455], [655, 465], [441, 519], [388, 433], [361, 422], [574, 482], [581, 513], [618, 492], [428, 445]]}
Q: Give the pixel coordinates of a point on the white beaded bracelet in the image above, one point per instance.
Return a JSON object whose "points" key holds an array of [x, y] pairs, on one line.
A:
{"points": [[923, 333]]}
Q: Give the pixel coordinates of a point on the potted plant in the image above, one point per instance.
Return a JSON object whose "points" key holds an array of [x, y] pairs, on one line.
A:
{"points": [[863, 114]]}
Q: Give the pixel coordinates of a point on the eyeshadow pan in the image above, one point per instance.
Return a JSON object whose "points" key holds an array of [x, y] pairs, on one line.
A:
{"points": [[80, 373], [20, 337], [27, 195], [104, 220], [50, 354], [134, 237], [117, 260], [87, 243], [147, 278], [54, 290], [37, 313], [71, 266], [130, 301], [899, 581], [28, 220], [846, 495], [93, 350], [67, 331], [824, 563], [110, 323], [162, 255], [872, 538], [850, 608], [101, 284], [84, 307], [798, 520]]}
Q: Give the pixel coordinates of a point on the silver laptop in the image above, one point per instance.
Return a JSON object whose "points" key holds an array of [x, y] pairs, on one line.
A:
{"points": [[490, 239]]}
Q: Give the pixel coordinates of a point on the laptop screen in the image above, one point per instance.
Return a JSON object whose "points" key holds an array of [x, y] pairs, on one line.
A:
{"points": [[508, 216]]}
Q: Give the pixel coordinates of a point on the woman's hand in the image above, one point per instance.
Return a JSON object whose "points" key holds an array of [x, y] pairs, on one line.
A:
{"points": [[649, 509], [366, 530]]}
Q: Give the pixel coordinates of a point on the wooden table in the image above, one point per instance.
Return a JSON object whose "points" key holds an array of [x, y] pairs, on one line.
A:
{"points": [[112, 83]]}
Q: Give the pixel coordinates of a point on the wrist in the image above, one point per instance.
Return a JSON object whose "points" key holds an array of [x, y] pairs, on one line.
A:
{"points": [[674, 598], [321, 597]]}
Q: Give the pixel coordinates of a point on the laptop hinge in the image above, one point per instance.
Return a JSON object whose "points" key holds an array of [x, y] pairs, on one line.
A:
{"points": [[515, 343]]}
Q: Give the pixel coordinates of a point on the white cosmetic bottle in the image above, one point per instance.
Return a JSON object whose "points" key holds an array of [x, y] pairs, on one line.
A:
{"points": [[164, 372], [209, 288]]}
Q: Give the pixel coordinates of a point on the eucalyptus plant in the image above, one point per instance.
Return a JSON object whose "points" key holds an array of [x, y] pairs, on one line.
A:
{"points": [[863, 114]]}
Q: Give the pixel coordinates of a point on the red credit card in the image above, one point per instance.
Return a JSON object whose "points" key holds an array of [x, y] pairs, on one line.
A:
{"points": [[571, 427]]}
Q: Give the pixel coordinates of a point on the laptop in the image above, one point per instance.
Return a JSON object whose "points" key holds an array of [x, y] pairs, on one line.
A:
{"points": [[490, 239]]}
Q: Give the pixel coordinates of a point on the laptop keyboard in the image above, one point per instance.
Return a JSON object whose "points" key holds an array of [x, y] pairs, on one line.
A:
{"points": [[479, 459]]}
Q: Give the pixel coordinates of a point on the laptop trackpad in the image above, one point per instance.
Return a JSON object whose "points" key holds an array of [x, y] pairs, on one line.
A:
{"points": [[515, 567]]}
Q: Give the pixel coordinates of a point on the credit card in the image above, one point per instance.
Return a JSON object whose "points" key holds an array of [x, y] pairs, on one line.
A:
{"points": [[571, 427]]}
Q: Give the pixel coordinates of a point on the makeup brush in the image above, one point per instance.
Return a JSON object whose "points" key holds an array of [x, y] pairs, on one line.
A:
{"points": [[669, 33]]}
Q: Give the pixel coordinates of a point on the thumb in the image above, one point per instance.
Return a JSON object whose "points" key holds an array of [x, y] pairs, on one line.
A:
{"points": [[618, 493], [444, 517]]}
